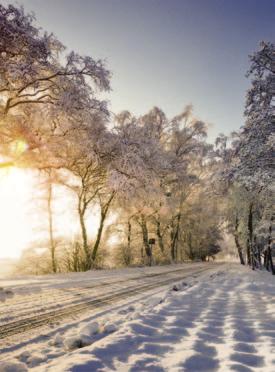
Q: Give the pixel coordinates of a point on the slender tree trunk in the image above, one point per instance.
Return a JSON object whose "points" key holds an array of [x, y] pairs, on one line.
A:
{"points": [[191, 253], [238, 245], [98, 236], [257, 253], [103, 214], [129, 238], [76, 257], [142, 254], [269, 252], [249, 245], [174, 238], [50, 219], [250, 235], [81, 213], [265, 260], [175, 232], [248, 252], [129, 235], [239, 249], [145, 238], [172, 252], [159, 235], [258, 250]]}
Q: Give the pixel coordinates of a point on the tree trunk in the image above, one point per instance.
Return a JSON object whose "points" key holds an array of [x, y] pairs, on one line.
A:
{"points": [[172, 252], [258, 250], [129, 238], [103, 214], [174, 238], [248, 254], [81, 213], [265, 260], [269, 252], [250, 237], [175, 232], [159, 235], [75, 257], [50, 219], [145, 238], [142, 254], [238, 245], [191, 253], [98, 236]]}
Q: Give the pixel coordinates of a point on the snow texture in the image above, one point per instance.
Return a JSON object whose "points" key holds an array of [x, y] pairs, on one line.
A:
{"points": [[220, 321]]}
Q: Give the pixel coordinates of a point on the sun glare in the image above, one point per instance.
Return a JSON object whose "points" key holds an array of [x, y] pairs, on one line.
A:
{"points": [[23, 222], [15, 224]]}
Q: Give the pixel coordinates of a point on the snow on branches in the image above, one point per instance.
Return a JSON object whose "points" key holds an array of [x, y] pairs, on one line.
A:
{"points": [[32, 71]]}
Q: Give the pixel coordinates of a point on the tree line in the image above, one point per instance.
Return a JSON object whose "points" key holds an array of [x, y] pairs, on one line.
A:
{"points": [[248, 167], [174, 194]]}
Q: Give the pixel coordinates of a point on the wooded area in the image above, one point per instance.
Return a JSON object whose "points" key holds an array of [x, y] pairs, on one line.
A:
{"points": [[174, 194]]}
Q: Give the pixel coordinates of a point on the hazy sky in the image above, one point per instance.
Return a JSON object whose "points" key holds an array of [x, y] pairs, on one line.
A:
{"points": [[167, 52]]}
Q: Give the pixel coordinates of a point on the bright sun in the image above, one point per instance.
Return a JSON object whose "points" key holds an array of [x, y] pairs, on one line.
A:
{"points": [[21, 221], [15, 223]]}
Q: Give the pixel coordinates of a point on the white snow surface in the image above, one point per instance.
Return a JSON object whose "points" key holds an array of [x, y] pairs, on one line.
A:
{"points": [[221, 320]]}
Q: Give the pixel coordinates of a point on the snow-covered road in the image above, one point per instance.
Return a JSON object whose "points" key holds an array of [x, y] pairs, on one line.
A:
{"points": [[219, 320], [35, 306], [40, 302]]}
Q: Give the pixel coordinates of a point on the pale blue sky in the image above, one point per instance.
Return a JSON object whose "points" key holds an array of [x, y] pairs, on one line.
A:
{"points": [[167, 52]]}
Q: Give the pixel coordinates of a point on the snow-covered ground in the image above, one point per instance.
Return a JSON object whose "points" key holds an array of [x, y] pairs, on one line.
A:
{"points": [[52, 298], [219, 320]]}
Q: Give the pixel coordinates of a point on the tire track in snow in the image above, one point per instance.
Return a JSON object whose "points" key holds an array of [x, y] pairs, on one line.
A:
{"points": [[49, 317], [54, 299]]}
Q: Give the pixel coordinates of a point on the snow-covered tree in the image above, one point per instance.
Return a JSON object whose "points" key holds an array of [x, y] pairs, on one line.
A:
{"points": [[248, 162], [33, 72], [254, 149], [38, 79]]}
